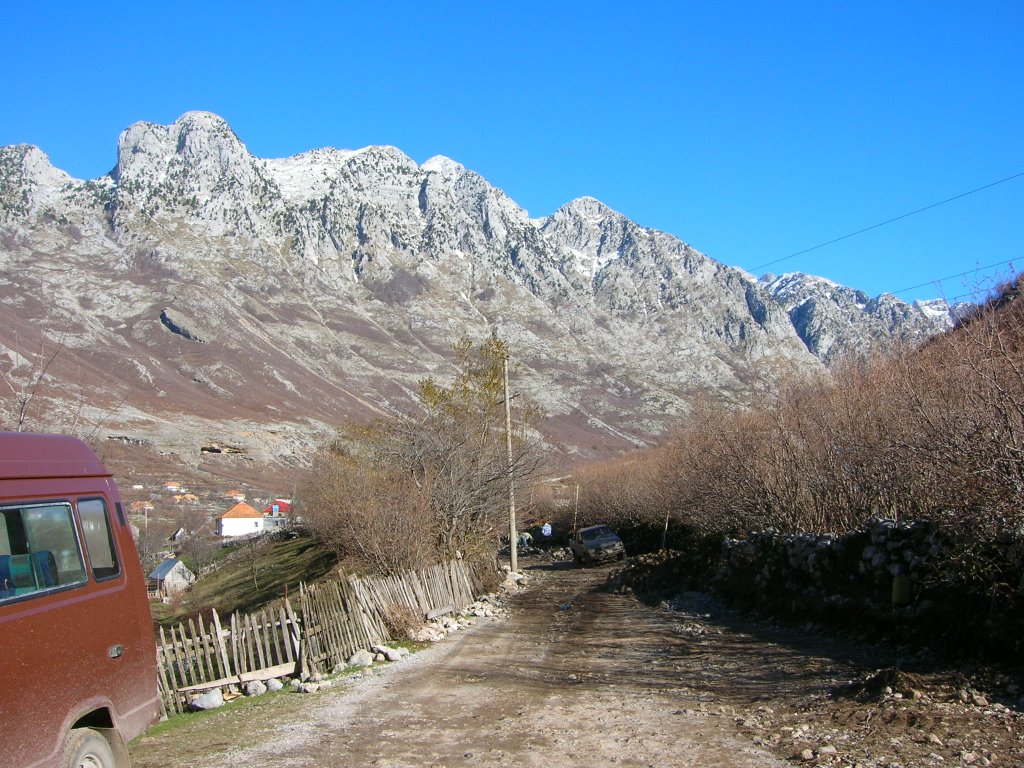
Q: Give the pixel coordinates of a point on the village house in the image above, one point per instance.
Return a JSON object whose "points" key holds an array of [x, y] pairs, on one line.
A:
{"points": [[278, 507], [277, 514], [141, 507], [168, 578], [240, 520]]}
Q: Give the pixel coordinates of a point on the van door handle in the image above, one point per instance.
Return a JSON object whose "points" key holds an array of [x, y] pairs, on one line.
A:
{"points": [[115, 651]]}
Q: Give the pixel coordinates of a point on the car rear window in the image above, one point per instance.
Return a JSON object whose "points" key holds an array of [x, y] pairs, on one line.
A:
{"points": [[99, 538]]}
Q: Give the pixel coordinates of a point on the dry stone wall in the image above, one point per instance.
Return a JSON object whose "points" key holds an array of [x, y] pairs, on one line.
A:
{"points": [[914, 582]]}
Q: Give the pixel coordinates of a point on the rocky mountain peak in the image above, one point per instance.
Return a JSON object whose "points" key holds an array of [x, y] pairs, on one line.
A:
{"points": [[195, 169], [259, 297], [444, 166], [835, 321], [199, 140], [594, 233], [28, 181], [587, 208]]}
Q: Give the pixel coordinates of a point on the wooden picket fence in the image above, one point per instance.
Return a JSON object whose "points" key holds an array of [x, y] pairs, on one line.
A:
{"points": [[336, 618]]}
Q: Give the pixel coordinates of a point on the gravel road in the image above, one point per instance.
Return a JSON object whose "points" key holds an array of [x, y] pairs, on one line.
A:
{"points": [[577, 676]]}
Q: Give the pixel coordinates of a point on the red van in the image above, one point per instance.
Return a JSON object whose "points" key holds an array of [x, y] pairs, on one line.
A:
{"points": [[77, 652]]}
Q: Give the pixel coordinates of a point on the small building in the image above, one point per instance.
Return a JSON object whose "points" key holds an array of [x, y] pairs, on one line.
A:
{"points": [[235, 495], [168, 578], [240, 520], [278, 507], [277, 514]]}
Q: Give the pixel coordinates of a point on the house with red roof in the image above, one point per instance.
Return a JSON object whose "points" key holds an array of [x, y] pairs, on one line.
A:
{"points": [[277, 514], [278, 507], [240, 520]]}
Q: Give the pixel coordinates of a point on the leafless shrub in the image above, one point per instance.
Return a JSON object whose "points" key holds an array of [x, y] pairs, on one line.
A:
{"points": [[381, 518], [26, 372], [200, 551], [401, 620], [488, 577], [931, 433]]}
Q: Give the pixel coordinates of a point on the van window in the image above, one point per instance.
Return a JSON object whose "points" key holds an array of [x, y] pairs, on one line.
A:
{"points": [[99, 539], [38, 549]]}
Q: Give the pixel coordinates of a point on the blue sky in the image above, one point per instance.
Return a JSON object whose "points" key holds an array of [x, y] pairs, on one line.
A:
{"points": [[749, 130]]}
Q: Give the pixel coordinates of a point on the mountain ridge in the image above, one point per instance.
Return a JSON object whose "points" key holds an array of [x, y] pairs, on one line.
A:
{"points": [[325, 285]]}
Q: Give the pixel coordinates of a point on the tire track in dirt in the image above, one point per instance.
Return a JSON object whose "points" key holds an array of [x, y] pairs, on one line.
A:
{"points": [[575, 676]]}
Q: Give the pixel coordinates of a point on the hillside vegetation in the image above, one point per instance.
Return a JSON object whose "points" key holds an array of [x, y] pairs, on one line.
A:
{"points": [[930, 440], [429, 485], [253, 574], [932, 433]]}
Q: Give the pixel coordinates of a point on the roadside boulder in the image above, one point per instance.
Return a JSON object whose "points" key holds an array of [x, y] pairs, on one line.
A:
{"points": [[209, 700], [361, 658], [389, 653]]}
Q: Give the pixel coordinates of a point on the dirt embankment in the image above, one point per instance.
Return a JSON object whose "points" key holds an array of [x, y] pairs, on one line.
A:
{"points": [[577, 676]]}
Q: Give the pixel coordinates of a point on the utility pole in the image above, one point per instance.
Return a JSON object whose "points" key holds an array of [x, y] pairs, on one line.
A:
{"points": [[512, 543], [576, 509]]}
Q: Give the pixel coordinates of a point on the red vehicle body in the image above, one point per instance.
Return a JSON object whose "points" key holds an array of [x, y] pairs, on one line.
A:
{"points": [[77, 651]]}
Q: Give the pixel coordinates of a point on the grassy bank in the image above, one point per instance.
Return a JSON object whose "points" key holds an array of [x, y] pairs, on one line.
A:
{"points": [[249, 576]]}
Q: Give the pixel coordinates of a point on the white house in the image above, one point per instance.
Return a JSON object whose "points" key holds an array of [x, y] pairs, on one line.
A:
{"points": [[240, 520]]}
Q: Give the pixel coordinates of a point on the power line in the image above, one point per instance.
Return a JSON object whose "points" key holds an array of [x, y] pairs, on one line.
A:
{"points": [[889, 221], [950, 277]]}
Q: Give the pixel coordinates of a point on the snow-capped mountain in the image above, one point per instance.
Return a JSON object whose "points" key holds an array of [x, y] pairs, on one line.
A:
{"points": [[835, 321], [202, 294]]}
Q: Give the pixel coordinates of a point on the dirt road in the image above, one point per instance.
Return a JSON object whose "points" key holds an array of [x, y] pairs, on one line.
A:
{"points": [[576, 676]]}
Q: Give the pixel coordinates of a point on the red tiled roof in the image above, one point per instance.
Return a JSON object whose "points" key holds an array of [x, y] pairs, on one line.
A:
{"points": [[241, 509]]}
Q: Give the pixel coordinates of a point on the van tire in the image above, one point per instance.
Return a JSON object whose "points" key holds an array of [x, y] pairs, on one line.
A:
{"points": [[86, 748]]}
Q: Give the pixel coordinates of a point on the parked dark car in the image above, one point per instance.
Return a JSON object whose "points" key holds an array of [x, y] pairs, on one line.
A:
{"points": [[596, 544]]}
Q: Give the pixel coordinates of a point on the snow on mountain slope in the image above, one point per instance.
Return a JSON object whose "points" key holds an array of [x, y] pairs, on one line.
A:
{"points": [[835, 321], [325, 285]]}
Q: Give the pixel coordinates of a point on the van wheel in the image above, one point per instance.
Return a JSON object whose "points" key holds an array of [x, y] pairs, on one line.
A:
{"points": [[85, 748]]}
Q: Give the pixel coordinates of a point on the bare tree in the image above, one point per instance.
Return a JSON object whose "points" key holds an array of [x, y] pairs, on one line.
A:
{"points": [[446, 461], [25, 376]]}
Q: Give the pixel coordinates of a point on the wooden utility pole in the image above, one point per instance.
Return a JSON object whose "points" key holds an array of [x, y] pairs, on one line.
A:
{"points": [[512, 543], [576, 509]]}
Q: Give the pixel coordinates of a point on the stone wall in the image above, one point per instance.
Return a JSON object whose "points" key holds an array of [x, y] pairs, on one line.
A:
{"points": [[949, 590]]}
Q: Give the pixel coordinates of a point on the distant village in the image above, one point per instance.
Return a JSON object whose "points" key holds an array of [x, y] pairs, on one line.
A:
{"points": [[181, 537]]}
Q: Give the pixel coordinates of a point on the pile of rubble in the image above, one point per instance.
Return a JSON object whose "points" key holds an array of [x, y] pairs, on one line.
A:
{"points": [[492, 606], [487, 607], [362, 660]]}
